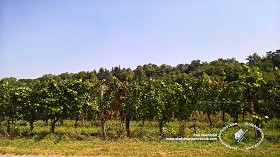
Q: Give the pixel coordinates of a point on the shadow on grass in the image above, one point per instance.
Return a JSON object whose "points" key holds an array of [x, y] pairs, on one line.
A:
{"points": [[57, 136], [40, 135]]}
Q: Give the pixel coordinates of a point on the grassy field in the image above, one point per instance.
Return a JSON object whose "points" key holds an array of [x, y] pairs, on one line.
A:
{"points": [[145, 140], [130, 147]]}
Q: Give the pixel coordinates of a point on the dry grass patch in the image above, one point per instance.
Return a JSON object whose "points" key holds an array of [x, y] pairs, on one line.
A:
{"points": [[129, 147]]}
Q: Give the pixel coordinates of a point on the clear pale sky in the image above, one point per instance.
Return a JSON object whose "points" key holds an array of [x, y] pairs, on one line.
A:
{"points": [[55, 36]]}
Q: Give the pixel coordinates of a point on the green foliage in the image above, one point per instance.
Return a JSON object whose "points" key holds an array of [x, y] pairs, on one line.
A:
{"points": [[149, 92], [274, 123]]}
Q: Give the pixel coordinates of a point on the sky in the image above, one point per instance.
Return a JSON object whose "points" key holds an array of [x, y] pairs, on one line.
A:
{"points": [[40, 37]]}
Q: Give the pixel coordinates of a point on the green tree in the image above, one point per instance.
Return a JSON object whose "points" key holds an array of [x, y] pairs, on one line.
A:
{"points": [[139, 73], [28, 100], [51, 99], [131, 103], [274, 57], [8, 99], [254, 84], [210, 90]]}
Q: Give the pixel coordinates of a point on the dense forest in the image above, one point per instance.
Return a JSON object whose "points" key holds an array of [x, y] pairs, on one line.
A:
{"points": [[149, 92]]}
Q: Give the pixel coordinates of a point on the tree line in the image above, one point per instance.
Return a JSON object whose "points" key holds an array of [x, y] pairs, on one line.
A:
{"points": [[149, 92]]}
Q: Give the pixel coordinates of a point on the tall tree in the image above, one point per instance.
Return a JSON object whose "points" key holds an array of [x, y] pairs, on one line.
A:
{"points": [[139, 73]]}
